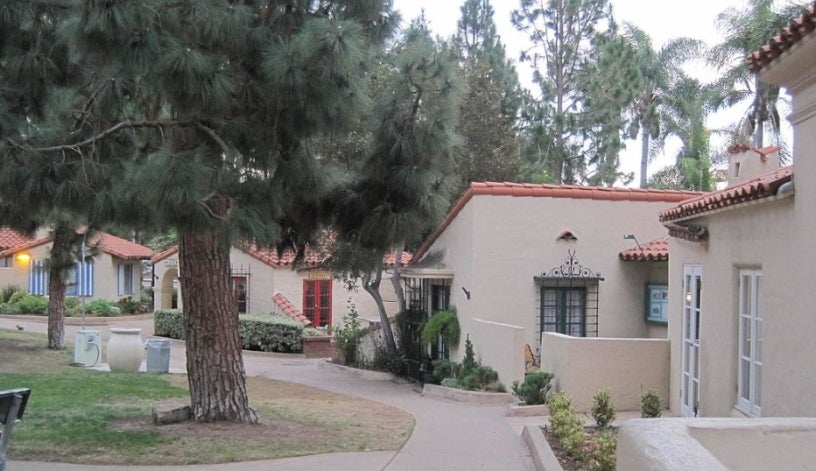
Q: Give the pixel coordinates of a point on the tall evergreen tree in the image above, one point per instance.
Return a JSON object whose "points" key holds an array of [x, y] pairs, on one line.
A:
{"points": [[404, 188], [661, 71], [745, 30], [489, 110], [562, 35], [201, 114]]}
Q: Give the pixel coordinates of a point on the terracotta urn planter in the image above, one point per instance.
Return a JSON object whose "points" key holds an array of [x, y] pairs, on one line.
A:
{"points": [[125, 349]]}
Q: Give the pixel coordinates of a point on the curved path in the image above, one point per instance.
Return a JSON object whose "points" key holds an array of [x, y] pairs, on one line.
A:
{"points": [[448, 435]]}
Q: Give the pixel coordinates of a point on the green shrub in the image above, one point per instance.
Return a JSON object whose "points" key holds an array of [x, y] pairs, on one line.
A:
{"points": [[311, 332], [7, 292], [650, 406], [169, 323], [601, 456], [444, 324], [9, 308], [128, 305], [482, 378], [29, 303], [15, 297], [469, 362], [101, 308], [534, 389], [270, 333], [603, 409], [263, 332], [567, 425], [450, 383], [349, 334], [446, 369]]}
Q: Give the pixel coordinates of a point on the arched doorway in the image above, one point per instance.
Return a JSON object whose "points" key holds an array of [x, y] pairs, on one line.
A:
{"points": [[167, 292]]}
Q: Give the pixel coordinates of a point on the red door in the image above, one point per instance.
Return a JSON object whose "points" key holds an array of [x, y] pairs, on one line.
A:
{"points": [[317, 301]]}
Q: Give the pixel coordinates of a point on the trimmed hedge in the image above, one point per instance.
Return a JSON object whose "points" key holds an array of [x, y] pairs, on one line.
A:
{"points": [[261, 332]]}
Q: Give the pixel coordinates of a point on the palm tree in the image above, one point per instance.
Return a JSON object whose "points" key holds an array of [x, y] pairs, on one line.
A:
{"points": [[746, 30], [661, 70]]}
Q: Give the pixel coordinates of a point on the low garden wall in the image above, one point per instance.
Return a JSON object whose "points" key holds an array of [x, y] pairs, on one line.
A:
{"points": [[318, 346], [500, 346], [626, 367]]}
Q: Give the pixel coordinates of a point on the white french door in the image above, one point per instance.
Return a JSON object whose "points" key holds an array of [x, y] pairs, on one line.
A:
{"points": [[690, 380]]}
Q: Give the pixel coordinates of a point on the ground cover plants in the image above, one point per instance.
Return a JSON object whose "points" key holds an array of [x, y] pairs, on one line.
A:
{"points": [[82, 416]]}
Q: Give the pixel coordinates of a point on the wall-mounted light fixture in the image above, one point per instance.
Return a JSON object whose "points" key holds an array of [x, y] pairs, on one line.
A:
{"points": [[688, 296], [467, 293], [632, 237], [23, 257]]}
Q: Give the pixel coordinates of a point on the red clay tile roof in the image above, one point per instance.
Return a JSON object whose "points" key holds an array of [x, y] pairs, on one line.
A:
{"points": [[289, 309], [757, 188], [122, 248], [552, 191], [762, 151], [654, 251], [10, 238], [792, 34], [164, 254], [108, 243]]}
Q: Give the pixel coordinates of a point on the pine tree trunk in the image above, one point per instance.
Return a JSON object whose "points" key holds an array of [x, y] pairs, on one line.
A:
{"points": [[215, 366], [63, 237], [396, 278]]}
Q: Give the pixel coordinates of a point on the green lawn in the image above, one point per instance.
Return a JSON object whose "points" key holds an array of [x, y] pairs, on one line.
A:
{"points": [[84, 416]]}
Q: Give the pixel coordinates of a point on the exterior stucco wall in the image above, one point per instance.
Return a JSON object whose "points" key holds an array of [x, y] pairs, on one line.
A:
{"points": [[753, 237], [453, 249], [264, 281], [500, 346], [624, 366], [717, 444], [497, 244], [515, 240], [104, 273]]}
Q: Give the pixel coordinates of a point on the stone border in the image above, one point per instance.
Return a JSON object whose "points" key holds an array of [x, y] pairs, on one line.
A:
{"points": [[77, 320], [357, 372], [474, 397], [543, 457], [523, 410]]}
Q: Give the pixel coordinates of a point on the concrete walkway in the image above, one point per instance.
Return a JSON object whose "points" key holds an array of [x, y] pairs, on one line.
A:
{"points": [[448, 435]]}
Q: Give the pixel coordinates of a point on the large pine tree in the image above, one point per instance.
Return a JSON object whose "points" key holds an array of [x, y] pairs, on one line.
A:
{"points": [[192, 115]]}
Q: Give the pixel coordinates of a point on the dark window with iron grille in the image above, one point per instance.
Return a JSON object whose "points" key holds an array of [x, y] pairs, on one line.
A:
{"points": [[317, 301], [563, 310], [568, 299]]}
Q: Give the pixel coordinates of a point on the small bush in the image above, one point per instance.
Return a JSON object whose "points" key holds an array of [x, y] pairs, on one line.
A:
{"points": [[311, 332], [24, 303], [348, 336], [650, 406], [129, 305], [482, 378], [450, 383], [169, 323], [469, 362], [567, 425], [446, 369], [444, 324], [101, 308], [534, 389], [601, 456], [262, 332], [270, 333], [603, 409], [7, 292]]}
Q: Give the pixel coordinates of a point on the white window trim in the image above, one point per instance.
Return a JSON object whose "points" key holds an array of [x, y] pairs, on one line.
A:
{"points": [[751, 313]]}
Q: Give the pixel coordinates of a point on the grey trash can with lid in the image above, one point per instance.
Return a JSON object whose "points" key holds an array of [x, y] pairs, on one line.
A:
{"points": [[158, 355]]}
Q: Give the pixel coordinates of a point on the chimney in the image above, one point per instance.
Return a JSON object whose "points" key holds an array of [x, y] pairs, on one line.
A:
{"points": [[745, 163]]}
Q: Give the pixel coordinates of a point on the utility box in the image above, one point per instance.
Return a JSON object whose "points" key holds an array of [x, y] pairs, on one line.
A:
{"points": [[157, 358], [87, 347]]}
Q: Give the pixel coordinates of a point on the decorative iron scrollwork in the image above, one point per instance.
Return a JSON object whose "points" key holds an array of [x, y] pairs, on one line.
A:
{"points": [[571, 269]]}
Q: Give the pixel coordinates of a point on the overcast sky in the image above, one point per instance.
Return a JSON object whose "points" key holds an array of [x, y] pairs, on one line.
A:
{"points": [[661, 19]]}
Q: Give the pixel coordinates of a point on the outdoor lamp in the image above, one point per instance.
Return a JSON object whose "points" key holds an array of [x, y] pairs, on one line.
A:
{"points": [[23, 257], [688, 296]]}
